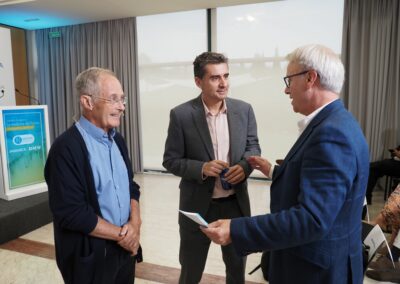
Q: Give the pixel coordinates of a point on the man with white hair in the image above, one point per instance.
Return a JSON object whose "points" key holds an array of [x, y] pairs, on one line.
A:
{"points": [[92, 195], [317, 193]]}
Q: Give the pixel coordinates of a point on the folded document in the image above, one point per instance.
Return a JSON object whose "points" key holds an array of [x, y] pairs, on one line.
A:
{"points": [[196, 217]]}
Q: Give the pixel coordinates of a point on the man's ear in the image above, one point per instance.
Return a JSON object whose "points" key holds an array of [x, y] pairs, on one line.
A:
{"points": [[197, 80], [86, 102], [312, 76]]}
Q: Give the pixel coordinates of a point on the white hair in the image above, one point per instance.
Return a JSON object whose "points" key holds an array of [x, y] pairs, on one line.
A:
{"points": [[88, 81], [324, 61]]}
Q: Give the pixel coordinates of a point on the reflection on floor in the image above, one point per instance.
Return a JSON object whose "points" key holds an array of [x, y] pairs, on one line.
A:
{"points": [[30, 258]]}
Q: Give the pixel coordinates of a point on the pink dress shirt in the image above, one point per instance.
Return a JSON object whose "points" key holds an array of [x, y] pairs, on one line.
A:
{"points": [[219, 132]]}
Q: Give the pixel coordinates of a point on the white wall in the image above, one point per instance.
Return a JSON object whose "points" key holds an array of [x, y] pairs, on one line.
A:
{"points": [[7, 89]]}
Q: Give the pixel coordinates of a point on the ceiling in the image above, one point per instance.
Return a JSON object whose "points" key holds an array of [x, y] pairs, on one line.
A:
{"points": [[38, 14]]}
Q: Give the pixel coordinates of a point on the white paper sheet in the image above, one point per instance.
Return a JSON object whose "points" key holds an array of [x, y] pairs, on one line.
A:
{"points": [[374, 239], [196, 217]]}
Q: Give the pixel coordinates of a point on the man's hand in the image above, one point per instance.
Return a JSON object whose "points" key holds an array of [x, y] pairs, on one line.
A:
{"points": [[130, 232], [130, 238], [213, 168], [260, 163], [219, 232], [235, 174]]}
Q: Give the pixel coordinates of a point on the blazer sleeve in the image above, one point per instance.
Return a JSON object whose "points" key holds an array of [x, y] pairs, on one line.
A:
{"points": [[175, 159], [68, 187], [323, 174]]}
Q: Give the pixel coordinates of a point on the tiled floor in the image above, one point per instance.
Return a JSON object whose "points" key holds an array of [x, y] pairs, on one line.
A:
{"points": [[30, 259]]}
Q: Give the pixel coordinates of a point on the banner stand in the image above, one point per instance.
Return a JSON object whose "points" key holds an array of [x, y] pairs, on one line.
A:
{"points": [[24, 144]]}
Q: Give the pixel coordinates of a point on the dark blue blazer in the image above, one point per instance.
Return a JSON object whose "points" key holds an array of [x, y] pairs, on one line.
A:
{"points": [[317, 194]]}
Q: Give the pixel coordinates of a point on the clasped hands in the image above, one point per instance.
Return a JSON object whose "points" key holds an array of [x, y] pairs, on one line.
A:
{"points": [[129, 236], [234, 175]]}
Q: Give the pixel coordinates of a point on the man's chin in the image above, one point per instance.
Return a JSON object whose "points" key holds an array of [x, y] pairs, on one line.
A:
{"points": [[222, 96], [115, 124]]}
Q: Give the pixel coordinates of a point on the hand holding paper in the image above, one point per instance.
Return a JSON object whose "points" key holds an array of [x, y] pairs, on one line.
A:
{"points": [[219, 232]]}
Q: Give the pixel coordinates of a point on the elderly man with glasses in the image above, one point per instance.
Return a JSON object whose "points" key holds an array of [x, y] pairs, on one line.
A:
{"points": [[92, 195], [314, 229]]}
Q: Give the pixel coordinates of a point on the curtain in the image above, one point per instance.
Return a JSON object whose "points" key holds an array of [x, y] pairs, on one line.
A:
{"points": [[371, 55], [108, 44]]}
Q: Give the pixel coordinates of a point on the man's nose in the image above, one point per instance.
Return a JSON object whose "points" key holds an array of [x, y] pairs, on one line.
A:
{"points": [[287, 91], [223, 82], [121, 105]]}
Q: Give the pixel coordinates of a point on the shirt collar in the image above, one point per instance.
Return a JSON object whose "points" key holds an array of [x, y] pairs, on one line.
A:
{"points": [[303, 123], [223, 108], [94, 131]]}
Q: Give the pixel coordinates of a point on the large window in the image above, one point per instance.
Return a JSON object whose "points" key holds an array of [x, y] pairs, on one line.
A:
{"points": [[167, 46], [257, 38]]}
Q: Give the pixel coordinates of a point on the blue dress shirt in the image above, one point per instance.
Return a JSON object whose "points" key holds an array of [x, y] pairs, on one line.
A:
{"points": [[109, 172]]}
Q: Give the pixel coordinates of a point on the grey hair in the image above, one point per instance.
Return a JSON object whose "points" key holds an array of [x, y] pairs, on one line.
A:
{"points": [[87, 82], [324, 61]]}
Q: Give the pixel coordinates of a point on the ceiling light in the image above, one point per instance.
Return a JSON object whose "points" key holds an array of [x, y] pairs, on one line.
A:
{"points": [[250, 18]]}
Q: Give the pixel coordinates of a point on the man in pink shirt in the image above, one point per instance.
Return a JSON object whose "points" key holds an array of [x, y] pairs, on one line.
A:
{"points": [[209, 139]]}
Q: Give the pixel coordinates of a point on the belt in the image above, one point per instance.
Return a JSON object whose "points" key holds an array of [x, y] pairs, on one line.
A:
{"points": [[224, 199]]}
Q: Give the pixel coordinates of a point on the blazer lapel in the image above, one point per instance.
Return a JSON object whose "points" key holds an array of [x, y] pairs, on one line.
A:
{"points": [[322, 115], [234, 135], [200, 123]]}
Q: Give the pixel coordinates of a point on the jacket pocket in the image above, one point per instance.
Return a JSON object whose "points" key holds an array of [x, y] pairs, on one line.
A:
{"points": [[84, 265]]}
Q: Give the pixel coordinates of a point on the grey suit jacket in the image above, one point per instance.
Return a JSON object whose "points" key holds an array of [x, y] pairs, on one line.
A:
{"points": [[188, 147]]}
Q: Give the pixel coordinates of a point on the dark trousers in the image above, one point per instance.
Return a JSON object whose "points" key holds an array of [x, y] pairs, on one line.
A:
{"points": [[194, 247], [119, 266], [387, 167]]}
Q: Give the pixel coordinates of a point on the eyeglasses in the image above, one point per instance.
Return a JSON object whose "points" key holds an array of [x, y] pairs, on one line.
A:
{"points": [[287, 78], [123, 100]]}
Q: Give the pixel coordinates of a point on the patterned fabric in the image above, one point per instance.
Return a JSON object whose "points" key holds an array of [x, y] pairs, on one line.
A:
{"points": [[391, 211]]}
